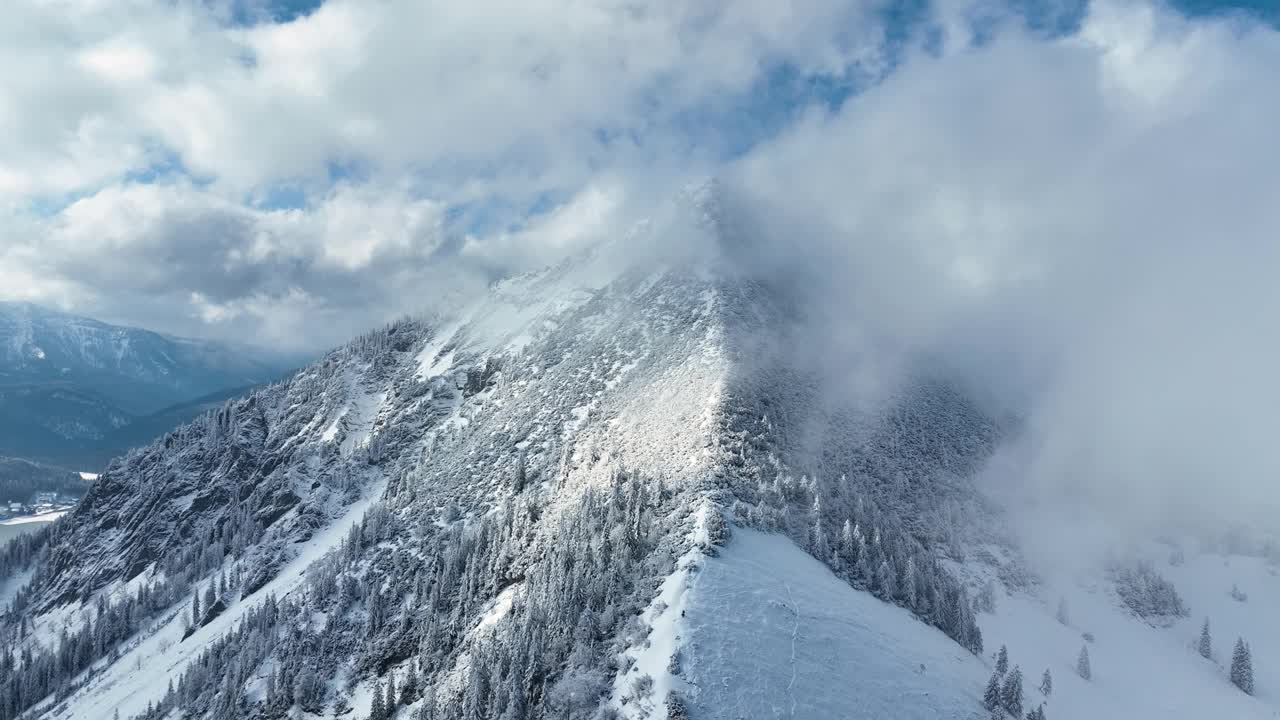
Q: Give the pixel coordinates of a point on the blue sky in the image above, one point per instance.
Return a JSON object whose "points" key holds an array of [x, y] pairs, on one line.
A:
{"points": [[250, 12]]}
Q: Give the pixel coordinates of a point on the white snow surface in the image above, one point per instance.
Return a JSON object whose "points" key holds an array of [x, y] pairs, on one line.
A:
{"points": [[767, 631], [770, 632]]}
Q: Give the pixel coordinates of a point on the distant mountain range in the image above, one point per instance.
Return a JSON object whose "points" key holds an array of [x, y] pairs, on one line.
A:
{"points": [[75, 392]]}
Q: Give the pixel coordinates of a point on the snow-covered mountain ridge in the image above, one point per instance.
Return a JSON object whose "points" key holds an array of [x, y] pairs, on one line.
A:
{"points": [[75, 391], [550, 505], [43, 344]]}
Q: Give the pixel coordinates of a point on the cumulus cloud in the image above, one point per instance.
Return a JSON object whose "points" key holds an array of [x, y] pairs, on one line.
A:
{"points": [[168, 255], [149, 147]]}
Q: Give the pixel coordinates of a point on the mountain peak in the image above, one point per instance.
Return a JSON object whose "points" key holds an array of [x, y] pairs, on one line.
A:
{"points": [[75, 391]]}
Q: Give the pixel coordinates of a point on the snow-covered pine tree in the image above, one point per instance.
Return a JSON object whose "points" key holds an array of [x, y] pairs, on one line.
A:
{"points": [[1002, 661], [1147, 593], [1037, 713], [309, 691], [377, 704], [848, 545], [885, 585], [986, 599], [1242, 667], [427, 710], [1082, 664], [1062, 612], [1011, 692], [908, 588], [821, 547], [1206, 641], [1046, 683], [676, 707], [521, 476], [210, 596], [991, 697], [409, 688]]}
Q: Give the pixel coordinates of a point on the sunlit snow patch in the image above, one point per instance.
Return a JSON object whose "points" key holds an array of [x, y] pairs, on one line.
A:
{"points": [[432, 360]]}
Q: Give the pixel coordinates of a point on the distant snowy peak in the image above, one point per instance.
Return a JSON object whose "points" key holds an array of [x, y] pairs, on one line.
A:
{"points": [[76, 392], [38, 344]]}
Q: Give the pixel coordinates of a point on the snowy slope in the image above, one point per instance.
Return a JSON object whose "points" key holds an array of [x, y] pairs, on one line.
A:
{"points": [[764, 630], [771, 632], [1144, 670]]}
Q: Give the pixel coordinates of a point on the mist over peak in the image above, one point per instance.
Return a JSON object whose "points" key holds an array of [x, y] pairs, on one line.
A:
{"points": [[675, 360]]}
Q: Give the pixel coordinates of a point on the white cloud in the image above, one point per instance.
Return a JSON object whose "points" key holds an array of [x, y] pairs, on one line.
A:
{"points": [[396, 85], [174, 257], [378, 115], [119, 62], [1086, 227]]}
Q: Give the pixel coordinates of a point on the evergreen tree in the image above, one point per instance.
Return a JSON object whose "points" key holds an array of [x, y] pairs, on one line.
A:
{"points": [[1046, 683], [911, 586], [991, 698], [1002, 661], [1242, 667], [848, 545], [1082, 664], [389, 703], [986, 600], [271, 694], [210, 596], [409, 688], [821, 547], [1206, 642], [1062, 612], [676, 707], [377, 705], [521, 477], [1011, 693], [1036, 714], [886, 587]]}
